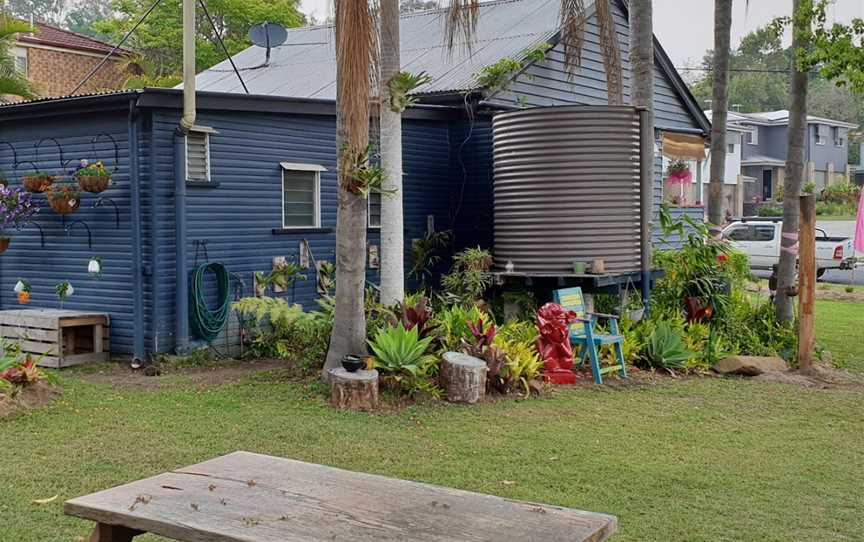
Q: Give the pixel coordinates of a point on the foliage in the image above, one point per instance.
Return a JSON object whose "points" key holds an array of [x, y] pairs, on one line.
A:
{"points": [[17, 209], [282, 276], [770, 211], [677, 167], [64, 290], [401, 354], [400, 87], [362, 177], [276, 329], [326, 274], [63, 192], [481, 345], [424, 254], [522, 363], [665, 348], [418, 314], [469, 277], [11, 81], [750, 327], [844, 193], [18, 370], [495, 76], [522, 300], [835, 209], [96, 169], [160, 41], [452, 323]]}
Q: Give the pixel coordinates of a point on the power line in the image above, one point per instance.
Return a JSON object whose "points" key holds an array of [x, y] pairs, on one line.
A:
{"points": [[738, 70]]}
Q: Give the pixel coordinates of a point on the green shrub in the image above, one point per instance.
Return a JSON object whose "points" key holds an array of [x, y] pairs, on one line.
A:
{"points": [[278, 329], [770, 210], [665, 348], [843, 193], [400, 354], [453, 324], [469, 277], [522, 363]]}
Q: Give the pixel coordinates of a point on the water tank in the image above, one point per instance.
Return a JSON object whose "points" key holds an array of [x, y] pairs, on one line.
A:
{"points": [[566, 189]]}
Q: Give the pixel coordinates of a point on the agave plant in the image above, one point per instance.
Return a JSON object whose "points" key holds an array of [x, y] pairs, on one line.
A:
{"points": [[401, 354], [666, 349]]}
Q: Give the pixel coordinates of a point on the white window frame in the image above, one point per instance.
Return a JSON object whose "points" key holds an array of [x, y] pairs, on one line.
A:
{"points": [[820, 139], [730, 148], [837, 135], [753, 136], [21, 53], [369, 212], [207, 131], [287, 167]]}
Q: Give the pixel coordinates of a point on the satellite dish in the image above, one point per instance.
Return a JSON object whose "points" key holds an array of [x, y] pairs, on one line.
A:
{"points": [[268, 35]]}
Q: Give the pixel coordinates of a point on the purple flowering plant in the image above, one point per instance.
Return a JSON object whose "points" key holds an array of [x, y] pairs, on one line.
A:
{"points": [[17, 209]]}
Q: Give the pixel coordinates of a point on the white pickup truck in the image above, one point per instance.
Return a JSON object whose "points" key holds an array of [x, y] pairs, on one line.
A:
{"points": [[760, 238]]}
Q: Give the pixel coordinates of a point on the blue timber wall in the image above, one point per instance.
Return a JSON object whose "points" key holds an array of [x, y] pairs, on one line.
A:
{"points": [[65, 257]]}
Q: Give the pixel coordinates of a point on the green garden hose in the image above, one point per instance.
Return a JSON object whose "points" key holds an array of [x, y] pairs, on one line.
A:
{"points": [[205, 322]]}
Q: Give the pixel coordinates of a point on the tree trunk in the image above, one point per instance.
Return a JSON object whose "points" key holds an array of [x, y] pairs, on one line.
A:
{"points": [[719, 109], [642, 95], [353, 51], [392, 222], [797, 135]]}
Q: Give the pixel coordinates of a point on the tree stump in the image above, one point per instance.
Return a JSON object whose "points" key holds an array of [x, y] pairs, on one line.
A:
{"points": [[354, 391], [463, 378]]}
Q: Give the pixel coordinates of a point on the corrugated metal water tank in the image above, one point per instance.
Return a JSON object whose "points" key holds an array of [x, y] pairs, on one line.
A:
{"points": [[566, 188]]}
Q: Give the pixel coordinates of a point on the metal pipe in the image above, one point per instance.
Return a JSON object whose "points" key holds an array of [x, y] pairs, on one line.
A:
{"points": [[181, 300], [154, 238], [188, 120], [135, 204], [646, 199]]}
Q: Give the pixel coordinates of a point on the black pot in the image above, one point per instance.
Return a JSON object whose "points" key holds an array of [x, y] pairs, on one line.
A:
{"points": [[352, 363]]}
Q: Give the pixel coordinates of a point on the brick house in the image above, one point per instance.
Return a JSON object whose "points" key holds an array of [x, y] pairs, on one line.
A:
{"points": [[56, 60]]}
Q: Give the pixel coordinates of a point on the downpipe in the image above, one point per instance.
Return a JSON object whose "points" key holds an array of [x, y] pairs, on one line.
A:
{"points": [[137, 264]]}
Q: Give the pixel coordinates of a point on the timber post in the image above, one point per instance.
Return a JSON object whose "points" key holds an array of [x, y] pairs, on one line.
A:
{"points": [[807, 282]]}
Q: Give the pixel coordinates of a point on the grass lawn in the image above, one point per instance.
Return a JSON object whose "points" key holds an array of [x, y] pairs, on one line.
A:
{"points": [[839, 329], [686, 460]]}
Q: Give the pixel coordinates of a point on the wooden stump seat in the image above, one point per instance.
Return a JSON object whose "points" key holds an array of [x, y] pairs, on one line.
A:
{"points": [[354, 391], [463, 378]]}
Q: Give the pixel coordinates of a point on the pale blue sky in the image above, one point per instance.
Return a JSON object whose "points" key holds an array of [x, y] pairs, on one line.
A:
{"points": [[685, 27]]}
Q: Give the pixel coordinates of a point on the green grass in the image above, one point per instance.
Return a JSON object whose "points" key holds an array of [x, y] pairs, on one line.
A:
{"points": [[704, 459], [689, 460], [839, 329]]}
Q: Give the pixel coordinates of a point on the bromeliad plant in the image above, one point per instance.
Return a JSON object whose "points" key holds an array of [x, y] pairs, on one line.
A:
{"points": [[482, 346], [362, 177], [18, 370], [17, 211], [400, 355], [418, 316], [400, 87]]}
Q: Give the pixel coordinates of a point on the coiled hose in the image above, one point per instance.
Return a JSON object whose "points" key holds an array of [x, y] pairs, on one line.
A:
{"points": [[205, 322]]}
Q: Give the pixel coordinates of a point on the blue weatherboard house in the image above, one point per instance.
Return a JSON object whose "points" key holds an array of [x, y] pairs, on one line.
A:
{"points": [[256, 179]]}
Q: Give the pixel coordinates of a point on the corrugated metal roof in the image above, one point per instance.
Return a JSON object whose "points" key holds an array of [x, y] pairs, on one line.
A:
{"points": [[305, 66]]}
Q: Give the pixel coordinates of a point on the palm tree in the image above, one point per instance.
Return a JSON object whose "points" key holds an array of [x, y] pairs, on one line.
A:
{"points": [[392, 221], [719, 108], [794, 167], [11, 81], [356, 65]]}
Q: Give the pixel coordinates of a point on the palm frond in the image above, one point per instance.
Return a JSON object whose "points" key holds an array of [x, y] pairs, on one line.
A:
{"points": [[611, 52], [572, 33], [460, 23]]}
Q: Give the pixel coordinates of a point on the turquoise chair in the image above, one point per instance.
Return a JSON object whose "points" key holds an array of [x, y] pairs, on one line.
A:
{"points": [[583, 334]]}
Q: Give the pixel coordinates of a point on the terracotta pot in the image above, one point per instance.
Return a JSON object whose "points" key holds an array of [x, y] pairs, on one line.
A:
{"points": [[4, 243], [37, 183], [23, 298], [64, 204], [94, 183]]}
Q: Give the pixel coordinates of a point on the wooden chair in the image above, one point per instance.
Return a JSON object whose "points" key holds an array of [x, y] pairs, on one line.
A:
{"points": [[583, 334]]}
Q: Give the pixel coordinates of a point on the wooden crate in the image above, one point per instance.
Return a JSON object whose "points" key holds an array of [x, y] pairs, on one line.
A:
{"points": [[58, 338]]}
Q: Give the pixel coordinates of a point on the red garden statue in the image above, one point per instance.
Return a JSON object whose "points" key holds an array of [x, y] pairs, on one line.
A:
{"points": [[553, 324]]}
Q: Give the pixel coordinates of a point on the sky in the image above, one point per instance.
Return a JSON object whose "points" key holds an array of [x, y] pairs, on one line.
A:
{"points": [[686, 27]]}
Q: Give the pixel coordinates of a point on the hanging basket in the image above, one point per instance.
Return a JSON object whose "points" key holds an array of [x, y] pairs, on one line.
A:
{"points": [[37, 183], [64, 203], [94, 183], [4, 243]]}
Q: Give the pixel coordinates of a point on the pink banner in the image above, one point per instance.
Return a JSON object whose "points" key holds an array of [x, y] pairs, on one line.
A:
{"points": [[859, 227]]}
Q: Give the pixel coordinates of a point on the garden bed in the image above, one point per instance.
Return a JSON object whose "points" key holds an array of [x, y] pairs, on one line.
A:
{"points": [[32, 397]]}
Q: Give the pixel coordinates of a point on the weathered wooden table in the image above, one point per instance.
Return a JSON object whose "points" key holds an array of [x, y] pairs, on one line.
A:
{"points": [[257, 498]]}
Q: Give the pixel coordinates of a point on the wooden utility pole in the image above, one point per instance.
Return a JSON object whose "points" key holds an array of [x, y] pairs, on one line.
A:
{"points": [[807, 282]]}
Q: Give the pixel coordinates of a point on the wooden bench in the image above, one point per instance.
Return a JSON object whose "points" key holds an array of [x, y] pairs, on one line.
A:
{"points": [[257, 498], [58, 338]]}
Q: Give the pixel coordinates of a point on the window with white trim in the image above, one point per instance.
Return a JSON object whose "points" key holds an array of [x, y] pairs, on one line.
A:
{"points": [[374, 209], [837, 136], [198, 156], [821, 134], [753, 136], [19, 58], [301, 195]]}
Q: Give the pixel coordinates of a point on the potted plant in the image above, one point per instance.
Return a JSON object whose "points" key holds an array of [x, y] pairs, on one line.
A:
{"points": [[17, 210], [22, 288], [37, 181], [93, 178], [65, 198], [64, 290], [634, 308]]}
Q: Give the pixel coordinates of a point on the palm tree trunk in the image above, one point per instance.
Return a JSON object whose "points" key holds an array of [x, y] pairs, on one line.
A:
{"points": [[355, 45], [794, 172], [719, 109], [392, 221]]}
